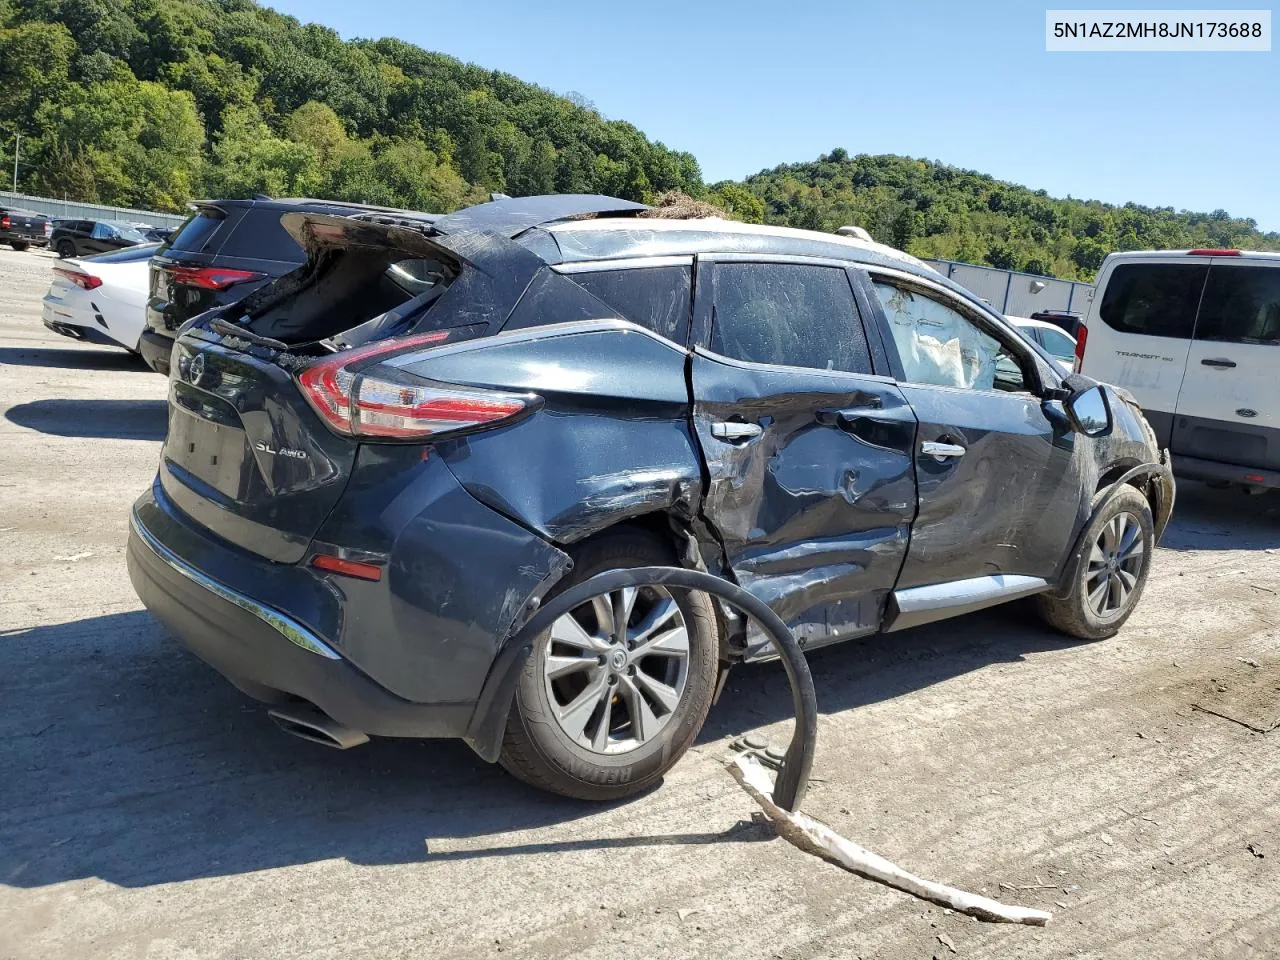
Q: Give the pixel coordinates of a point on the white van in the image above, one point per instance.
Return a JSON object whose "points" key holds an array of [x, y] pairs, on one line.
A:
{"points": [[1195, 336]]}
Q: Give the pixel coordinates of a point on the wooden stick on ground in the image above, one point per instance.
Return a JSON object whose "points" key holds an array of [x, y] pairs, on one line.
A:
{"points": [[817, 838]]}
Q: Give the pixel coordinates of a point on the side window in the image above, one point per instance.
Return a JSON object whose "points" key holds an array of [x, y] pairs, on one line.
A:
{"points": [[788, 313], [653, 297], [1058, 344], [1153, 299], [1241, 305], [941, 346], [259, 235]]}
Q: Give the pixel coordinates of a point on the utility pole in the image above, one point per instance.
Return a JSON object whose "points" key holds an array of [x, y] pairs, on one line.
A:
{"points": [[17, 145]]}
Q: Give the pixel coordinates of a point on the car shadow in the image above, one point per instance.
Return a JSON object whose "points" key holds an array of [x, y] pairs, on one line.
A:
{"points": [[1209, 519], [129, 760], [84, 359], [883, 666], [114, 419]]}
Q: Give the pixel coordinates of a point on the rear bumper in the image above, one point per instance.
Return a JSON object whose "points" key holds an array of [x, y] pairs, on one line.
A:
{"points": [[264, 651], [155, 349], [1193, 468], [77, 332]]}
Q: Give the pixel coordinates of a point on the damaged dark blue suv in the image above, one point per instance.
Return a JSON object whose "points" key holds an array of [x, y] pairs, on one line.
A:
{"points": [[378, 466]]}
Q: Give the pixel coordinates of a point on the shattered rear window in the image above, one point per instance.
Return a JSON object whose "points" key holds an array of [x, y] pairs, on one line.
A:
{"points": [[792, 314]]}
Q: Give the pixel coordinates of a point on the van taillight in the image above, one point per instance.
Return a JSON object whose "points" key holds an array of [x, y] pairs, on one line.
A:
{"points": [[1213, 252], [386, 403], [1082, 337]]}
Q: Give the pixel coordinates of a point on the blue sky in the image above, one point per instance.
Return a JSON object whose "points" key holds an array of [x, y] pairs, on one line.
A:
{"points": [[748, 85]]}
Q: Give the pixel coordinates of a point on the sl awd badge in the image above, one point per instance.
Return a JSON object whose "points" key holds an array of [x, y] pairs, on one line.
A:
{"points": [[279, 451]]}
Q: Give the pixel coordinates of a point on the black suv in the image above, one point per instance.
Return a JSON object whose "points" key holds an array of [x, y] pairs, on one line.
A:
{"points": [[367, 488], [81, 238], [228, 249]]}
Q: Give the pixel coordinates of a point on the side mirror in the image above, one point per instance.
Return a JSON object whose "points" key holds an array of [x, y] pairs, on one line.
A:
{"points": [[1090, 412]]}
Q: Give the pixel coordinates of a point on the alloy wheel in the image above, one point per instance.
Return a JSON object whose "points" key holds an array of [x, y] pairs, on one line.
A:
{"points": [[1115, 563], [616, 668]]}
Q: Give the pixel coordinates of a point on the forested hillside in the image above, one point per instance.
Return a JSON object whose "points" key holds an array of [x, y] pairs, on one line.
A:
{"points": [[151, 103], [933, 210]]}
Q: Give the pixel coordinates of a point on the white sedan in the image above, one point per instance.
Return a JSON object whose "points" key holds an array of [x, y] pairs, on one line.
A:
{"points": [[1060, 344], [101, 299]]}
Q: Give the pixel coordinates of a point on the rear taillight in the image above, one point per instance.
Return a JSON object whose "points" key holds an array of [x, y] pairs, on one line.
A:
{"points": [[211, 278], [82, 280], [386, 403], [5, 222], [1213, 252], [1082, 337]]}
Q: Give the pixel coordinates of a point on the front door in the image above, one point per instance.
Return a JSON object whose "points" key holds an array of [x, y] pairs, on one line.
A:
{"points": [[999, 500], [808, 452], [1229, 405]]}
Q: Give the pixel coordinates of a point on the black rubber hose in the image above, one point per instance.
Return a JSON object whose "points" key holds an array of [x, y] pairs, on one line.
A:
{"points": [[793, 778]]}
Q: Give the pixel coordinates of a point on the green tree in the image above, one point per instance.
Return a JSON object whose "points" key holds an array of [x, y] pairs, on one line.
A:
{"points": [[740, 202], [142, 141], [248, 158]]}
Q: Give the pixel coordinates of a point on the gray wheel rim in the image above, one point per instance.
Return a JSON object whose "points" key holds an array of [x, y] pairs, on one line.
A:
{"points": [[1115, 564], [616, 667]]}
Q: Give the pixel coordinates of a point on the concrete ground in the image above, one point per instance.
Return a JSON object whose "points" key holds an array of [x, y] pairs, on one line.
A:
{"points": [[147, 809]]}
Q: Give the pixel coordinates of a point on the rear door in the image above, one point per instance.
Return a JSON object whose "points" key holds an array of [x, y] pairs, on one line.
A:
{"points": [[1229, 406], [1140, 330], [807, 444], [102, 238]]}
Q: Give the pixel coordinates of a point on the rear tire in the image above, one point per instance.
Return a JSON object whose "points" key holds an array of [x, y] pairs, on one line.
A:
{"points": [[622, 760], [1108, 584], [19, 246], [65, 249]]}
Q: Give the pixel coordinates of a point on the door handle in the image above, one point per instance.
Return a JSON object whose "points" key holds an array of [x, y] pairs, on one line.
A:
{"points": [[932, 448], [733, 431], [1219, 362]]}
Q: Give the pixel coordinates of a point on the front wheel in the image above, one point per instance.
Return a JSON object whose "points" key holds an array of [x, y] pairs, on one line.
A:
{"points": [[1118, 542], [65, 249], [616, 690]]}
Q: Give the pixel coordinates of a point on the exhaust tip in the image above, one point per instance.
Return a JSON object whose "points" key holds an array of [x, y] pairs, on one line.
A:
{"points": [[308, 723]]}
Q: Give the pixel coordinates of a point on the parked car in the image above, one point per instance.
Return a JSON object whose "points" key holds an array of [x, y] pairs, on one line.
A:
{"points": [[100, 299], [159, 234], [1057, 342], [1063, 319], [365, 493], [1195, 335], [23, 228], [153, 233], [79, 238], [224, 252]]}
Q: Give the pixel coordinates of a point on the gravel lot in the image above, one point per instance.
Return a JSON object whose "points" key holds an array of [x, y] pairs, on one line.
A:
{"points": [[148, 810]]}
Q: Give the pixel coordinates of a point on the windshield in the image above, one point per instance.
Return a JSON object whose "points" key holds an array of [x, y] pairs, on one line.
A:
{"points": [[127, 231]]}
